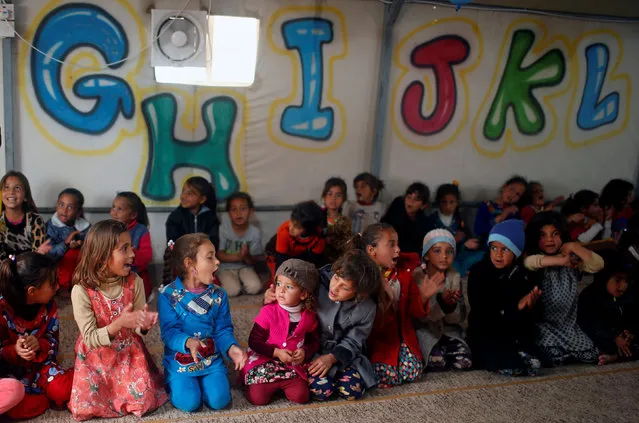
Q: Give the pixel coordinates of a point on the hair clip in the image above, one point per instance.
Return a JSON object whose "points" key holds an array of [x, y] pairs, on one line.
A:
{"points": [[12, 257], [456, 182], [170, 244]]}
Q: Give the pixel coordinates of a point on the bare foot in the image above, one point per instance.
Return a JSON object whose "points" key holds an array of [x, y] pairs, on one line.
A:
{"points": [[607, 359]]}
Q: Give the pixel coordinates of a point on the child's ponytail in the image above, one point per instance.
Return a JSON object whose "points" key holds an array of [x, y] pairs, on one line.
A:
{"points": [[10, 289], [167, 271]]}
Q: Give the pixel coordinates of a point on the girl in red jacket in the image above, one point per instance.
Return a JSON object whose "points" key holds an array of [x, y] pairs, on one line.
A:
{"points": [[129, 209], [29, 331], [395, 354]]}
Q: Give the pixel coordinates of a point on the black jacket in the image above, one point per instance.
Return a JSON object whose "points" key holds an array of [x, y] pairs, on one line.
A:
{"points": [[410, 232], [603, 318], [181, 222], [497, 329]]}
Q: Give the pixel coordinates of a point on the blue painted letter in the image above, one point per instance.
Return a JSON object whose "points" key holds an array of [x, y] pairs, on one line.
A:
{"points": [[594, 113], [65, 29], [309, 120]]}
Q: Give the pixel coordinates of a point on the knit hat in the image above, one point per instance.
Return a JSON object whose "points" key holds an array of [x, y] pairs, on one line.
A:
{"points": [[511, 234], [438, 235], [301, 272]]}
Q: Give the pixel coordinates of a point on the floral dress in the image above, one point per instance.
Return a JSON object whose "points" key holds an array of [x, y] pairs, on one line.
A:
{"points": [[119, 379]]}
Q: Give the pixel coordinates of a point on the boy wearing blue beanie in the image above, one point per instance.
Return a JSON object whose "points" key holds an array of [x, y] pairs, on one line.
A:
{"points": [[501, 330]]}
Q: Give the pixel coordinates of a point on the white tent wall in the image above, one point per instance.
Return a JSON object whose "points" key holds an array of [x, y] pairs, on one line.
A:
{"points": [[115, 129], [439, 141]]}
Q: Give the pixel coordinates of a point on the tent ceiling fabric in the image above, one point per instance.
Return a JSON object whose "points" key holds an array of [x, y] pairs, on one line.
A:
{"points": [[620, 8]]}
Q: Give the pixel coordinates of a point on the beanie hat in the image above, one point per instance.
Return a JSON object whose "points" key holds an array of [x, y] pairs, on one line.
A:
{"points": [[511, 234], [438, 235], [301, 272]]}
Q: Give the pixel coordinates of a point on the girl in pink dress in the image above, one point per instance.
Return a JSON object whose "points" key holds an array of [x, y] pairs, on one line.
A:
{"points": [[114, 373]]}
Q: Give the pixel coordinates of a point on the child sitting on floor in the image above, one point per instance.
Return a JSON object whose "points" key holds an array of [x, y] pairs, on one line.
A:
{"points": [[196, 328], [441, 337], [240, 247], [29, 333], [284, 337], [502, 297], [301, 237], [111, 314], [447, 216], [66, 229], [501, 209], [609, 312], [393, 345], [408, 216], [367, 209], [338, 226], [586, 220], [559, 265]]}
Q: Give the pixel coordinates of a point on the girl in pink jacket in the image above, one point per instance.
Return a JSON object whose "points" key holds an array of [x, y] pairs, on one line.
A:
{"points": [[284, 337]]}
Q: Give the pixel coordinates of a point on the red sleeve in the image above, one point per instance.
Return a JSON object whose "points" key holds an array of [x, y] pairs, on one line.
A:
{"points": [[527, 213], [319, 246], [258, 341], [8, 347], [282, 241], [416, 308], [8, 343], [144, 253], [576, 231], [49, 337]]}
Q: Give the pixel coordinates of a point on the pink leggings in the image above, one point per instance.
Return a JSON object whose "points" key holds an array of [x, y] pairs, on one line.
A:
{"points": [[11, 393]]}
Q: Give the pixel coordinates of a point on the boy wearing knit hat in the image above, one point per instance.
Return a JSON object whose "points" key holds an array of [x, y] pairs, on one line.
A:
{"points": [[506, 242], [501, 294], [440, 335], [284, 337]]}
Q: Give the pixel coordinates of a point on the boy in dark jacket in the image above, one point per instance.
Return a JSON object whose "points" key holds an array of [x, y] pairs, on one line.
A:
{"points": [[501, 331], [407, 215], [608, 312], [196, 212]]}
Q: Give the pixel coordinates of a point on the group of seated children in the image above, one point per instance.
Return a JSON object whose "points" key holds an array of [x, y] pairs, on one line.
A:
{"points": [[345, 312]]}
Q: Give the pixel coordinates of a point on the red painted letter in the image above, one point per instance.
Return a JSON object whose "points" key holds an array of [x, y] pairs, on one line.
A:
{"points": [[439, 54]]}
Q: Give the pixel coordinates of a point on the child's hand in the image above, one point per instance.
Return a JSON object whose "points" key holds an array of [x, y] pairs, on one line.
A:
{"points": [[298, 356], [75, 244], [623, 346], [45, 247], [269, 295], [128, 318], [567, 261], [430, 286], [285, 356], [530, 299], [626, 334], [71, 237], [472, 244], [238, 356], [193, 345], [147, 319], [23, 351], [609, 213], [31, 343], [321, 365], [450, 297]]}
